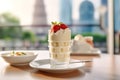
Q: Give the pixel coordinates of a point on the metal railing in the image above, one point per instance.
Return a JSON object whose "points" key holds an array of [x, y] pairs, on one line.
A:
{"points": [[44, 26]]}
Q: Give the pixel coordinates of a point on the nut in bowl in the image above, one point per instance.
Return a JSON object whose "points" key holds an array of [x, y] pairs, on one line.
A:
{"points": [[18, 57]]}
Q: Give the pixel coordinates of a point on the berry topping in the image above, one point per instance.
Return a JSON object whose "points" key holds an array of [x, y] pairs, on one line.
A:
{"points": [[57, 26], [63, 26]]}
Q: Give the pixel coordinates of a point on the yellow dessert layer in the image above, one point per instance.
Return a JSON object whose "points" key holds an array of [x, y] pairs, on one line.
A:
{"points": [[62, 57], [59, 49], [58, 44]]}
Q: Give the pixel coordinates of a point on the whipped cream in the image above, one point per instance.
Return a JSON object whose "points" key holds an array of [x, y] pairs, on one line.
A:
{"points": [[61, 35]]}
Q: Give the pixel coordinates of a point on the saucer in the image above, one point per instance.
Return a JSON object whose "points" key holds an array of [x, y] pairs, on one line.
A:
{"points": [[44, 65], [94, 52]]}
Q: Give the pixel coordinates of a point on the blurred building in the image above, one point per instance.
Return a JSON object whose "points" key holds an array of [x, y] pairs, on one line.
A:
{"points": [[39, 18], [105, 4], [86, 15], [39, 15], [117, 15], [66, 11]]}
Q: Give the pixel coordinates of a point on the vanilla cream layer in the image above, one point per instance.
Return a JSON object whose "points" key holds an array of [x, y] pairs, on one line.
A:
{"points": [[62, 57], [61, 35], [59, 50], [60, 44]]}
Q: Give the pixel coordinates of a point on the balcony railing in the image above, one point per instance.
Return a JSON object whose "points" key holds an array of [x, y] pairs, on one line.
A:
{"points": [[41, 32]]}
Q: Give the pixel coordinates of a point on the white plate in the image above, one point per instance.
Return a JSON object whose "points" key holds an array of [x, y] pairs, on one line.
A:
{"points": [[93, 52], [44, 65]]}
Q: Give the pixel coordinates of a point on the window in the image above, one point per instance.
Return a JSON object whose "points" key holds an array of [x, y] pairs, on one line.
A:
{"points": [[86, 17]]}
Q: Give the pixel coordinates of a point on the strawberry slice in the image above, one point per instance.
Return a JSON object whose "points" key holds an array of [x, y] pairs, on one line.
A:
{"points": [[63, 26], [55, 27]]}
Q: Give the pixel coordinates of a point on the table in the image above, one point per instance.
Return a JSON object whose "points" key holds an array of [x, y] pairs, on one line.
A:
{"points": [[103, 67]]}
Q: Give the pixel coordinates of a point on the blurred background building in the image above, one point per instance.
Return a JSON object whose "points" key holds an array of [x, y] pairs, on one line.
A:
{"points": [[66, 11], [104, 3], [39, 18], [39, 13], [86, 15], [117, 15]]}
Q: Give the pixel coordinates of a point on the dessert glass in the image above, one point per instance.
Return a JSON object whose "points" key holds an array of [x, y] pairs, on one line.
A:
{"points": [[59, 52]]}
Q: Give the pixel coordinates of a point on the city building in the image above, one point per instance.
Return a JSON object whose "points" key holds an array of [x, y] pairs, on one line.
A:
{"points": [[39, 15], [105, 4], [66, 11], [86, 15], [117, 15], [39, 18]]}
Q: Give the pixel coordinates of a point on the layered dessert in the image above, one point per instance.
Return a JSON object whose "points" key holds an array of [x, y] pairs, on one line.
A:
{"points": [[59, 38], [82, 44]]}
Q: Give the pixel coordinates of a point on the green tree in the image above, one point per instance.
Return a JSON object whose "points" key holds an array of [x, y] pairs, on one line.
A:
{"points": [[28, 35], [9, 19], [9, 26]]}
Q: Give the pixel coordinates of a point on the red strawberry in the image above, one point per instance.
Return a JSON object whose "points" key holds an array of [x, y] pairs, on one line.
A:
{"points": [[63, 26], [55, 27]]}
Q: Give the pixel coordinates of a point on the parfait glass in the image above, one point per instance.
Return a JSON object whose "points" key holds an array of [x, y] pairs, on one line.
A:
{"points": [[59, 53]]}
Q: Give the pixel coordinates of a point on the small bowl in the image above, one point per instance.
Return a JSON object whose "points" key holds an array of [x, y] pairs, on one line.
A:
{"points": [[14, 60]]}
